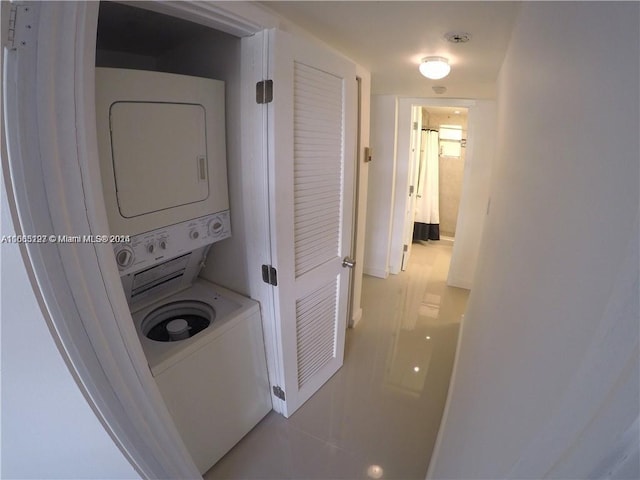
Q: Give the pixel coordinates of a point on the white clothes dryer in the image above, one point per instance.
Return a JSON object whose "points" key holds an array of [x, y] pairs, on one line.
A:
{"points": [[161, 139]]}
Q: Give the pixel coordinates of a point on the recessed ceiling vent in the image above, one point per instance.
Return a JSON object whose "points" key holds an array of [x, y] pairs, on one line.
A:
{"points": [[458, 37]]}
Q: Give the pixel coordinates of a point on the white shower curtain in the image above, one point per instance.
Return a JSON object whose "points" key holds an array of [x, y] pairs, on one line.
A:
{"points": [[427, 219]]}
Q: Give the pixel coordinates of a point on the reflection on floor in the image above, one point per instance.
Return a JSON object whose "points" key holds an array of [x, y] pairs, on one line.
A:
{"points": [[378, 417]]}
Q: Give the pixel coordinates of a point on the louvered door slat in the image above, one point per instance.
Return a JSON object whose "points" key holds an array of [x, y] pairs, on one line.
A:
{"points": [[317, 166], [315, 329], [312, 243], [313, 253], [314, 228]]}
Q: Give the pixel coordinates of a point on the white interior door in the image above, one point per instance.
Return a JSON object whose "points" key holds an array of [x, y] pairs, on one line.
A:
{"points": [[312, 134], [414, 161]]}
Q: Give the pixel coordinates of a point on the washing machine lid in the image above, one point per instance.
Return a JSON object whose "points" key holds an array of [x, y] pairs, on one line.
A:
{"points": [[159, 155]]}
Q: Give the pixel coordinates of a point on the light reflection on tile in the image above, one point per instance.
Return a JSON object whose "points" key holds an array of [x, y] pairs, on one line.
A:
{"points": [[428, 310], [378, 415]]}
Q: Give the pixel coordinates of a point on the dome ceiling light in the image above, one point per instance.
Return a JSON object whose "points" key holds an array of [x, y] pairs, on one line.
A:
{"points": [[435, 68]]}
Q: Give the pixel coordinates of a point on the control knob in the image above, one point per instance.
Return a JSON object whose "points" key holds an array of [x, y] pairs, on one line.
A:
{"points": [[216, 226], [194, 234], [125, 257]]}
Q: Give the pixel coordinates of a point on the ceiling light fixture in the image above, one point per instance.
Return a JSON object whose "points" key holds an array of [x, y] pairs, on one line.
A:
{"points": [[435, 68]]}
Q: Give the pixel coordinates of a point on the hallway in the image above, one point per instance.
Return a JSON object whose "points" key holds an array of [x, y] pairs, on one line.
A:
{"points": [[378, 417]]}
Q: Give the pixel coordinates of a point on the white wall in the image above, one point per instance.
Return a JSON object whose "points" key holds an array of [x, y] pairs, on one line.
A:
{"points": [[546, 383], [48, 429], [381, 185], [217, 55], [475, 193]]}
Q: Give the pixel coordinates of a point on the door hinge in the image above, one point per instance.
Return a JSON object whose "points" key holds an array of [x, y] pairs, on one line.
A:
{"points": [[278, 392], [21, 21], [405, 248], [411, 190], [415, 125], [264, 91], [269, 275]]}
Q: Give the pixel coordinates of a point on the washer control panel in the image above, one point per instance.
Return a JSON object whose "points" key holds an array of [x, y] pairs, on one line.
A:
{"points": [[147, 249]]}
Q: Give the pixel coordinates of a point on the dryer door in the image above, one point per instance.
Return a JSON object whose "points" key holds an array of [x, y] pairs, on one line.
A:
{"points": [[159, 155]]}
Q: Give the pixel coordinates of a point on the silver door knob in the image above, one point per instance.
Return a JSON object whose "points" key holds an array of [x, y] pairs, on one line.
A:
{"points": [[348, 262]]}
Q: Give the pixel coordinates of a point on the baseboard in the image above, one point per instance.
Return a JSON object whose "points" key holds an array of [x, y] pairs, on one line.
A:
{"points": [[376, 272], [355, 318], [445, 414], [460, 283], [446, 240]]}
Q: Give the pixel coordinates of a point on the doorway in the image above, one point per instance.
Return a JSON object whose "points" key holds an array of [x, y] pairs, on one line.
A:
{"points": [[474, 198], [52, 110], [450, 125], [409, 130], [70, 28]]}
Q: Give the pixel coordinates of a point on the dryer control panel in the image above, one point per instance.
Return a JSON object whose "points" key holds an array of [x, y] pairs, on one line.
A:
{"points": [[150, 248]]}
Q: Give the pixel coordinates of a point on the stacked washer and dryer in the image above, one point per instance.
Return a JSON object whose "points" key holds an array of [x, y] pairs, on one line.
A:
{"points": [[162, 150]]}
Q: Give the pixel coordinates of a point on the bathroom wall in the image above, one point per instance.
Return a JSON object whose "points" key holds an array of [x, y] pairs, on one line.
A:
{"points": [[451, 172], [546, 383]]}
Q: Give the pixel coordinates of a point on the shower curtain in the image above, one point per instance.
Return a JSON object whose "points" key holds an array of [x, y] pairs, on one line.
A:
{"points": [[427, 219]]}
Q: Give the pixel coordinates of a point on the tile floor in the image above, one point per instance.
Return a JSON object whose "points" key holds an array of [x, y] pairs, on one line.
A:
{"points": [[379, 415]]}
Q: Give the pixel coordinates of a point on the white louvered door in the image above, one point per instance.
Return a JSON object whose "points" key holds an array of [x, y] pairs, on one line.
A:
{"points": [[312, 124]]}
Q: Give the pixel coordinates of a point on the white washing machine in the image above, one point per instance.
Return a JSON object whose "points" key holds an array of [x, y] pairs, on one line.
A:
{"points": [[203, 343], [214, 381]]}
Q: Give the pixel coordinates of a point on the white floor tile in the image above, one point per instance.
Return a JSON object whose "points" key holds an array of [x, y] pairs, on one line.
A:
{"points": [[378, 417]]}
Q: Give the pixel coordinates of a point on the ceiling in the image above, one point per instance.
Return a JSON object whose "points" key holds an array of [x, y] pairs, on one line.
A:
{"points": [[448, 111], [389, 38]]}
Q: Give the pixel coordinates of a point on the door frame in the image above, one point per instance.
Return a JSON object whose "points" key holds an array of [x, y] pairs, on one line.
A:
{"points": [[415, 145], [360, 194], [50, 107], [401, 196]]}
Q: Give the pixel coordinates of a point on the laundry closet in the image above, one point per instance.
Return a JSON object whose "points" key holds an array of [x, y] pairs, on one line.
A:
{"points": [[278, 252], [285, 237], [167, 113]]}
